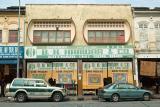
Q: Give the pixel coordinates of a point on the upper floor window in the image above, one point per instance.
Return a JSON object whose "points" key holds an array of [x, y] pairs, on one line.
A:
{"points": [[56, 31], [0, 36], [157, 25], [52, 36], [13, 36], [143, 25], [102, 31], [106, 36]]}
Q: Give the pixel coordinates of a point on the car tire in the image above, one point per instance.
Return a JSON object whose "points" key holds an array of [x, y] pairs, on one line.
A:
{"points": [[115, 98], [146, 97], [21, 97], [57, 97]]}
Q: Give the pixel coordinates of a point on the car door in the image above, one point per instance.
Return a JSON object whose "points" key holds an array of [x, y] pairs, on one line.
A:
{"points": [[133, 91], [122, 90], [29, 86], [41, 89]]}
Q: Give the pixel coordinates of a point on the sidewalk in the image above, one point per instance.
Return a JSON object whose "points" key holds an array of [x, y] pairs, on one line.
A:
{"points": [[156, 96]]}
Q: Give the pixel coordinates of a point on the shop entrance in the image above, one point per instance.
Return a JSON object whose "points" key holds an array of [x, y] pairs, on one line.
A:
{"points": [[7, 74], [61, 74], [150, 75], [98, 74]]}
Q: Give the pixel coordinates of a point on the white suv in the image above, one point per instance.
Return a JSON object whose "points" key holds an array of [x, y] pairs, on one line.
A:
{"points": [[26, 88]]}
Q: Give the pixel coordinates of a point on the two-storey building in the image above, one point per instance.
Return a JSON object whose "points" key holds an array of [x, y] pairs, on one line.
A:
{"points": [[147, 45], [81, 46], [9, 42]]}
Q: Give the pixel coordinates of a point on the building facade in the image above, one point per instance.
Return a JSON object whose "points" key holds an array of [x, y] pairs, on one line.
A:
{"points": [[79, 45], [147, 45], [9, 41]]}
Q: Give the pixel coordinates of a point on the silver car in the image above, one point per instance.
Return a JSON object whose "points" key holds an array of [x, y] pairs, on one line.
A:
{"points": [[25, 88]]}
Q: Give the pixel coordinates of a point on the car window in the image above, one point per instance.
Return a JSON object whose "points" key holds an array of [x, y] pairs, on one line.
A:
{"points": [[129, 86], [121, 86], [40, 83], [107, 86], [18, 82], [29, 83]]}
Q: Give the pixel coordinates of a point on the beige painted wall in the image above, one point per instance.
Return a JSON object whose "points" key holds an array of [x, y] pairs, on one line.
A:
{"points": [[151, 46], [79, 13], [10, 22]]}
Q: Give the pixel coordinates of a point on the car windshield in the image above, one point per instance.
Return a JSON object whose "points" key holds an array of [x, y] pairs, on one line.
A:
{"points": [[107, 86]]}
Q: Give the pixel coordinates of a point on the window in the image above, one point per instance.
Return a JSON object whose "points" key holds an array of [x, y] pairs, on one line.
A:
{"points": [[13, 36], [143, 25], [129, 86], [40, 83], [0, 36], [121, 86], [37, 36], [157, 25], [157, 34], [53, 36], [29, 83], [106, 36], [18, 82]]}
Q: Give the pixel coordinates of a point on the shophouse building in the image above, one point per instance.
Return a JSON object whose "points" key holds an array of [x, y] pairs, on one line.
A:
{"points": [[147, 46], [9, 42], [81, 46]]}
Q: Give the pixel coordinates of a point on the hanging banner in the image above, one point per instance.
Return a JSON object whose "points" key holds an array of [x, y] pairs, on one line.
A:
{"points": [[120, 71], [10, 52], [148, 68], [93, 74], [65, 72], [158, 68], [39, 70], [110, 51]]}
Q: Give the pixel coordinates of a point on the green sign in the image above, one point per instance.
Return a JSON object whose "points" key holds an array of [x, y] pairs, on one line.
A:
{"points": [[33, 66], [46, 52]]}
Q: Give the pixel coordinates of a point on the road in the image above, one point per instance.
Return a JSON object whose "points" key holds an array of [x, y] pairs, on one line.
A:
{"points": [[95, 103]]}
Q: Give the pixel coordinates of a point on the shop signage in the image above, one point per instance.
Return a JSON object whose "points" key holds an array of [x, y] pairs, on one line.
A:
{"points": [[9, 52], [111, 51], [119, 66]]}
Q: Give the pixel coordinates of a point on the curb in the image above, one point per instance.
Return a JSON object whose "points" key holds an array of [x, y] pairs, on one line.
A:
{"points": [[81, 98]]}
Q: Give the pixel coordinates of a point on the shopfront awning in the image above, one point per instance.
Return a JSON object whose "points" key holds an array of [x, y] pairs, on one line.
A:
{"points": [[8, 61], [51, 52]]}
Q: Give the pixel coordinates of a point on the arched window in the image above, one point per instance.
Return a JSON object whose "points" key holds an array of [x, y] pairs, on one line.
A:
{"points": [[106, 31], [157, 34]]}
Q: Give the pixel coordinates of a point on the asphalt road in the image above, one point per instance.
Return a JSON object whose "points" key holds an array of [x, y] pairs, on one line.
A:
{"points": [[95, 103]]}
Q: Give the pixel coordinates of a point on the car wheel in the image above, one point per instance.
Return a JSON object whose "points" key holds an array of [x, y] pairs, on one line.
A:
{"points": [[146, 97], [115, 98], [57, 97], [21, 97]]}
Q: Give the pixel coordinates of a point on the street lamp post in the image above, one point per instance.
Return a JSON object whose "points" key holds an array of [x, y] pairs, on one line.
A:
{"points": [[18, 40]]}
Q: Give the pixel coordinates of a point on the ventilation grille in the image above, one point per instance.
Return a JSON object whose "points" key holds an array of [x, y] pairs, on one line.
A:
{"points": [[52, 24], [106, 24]]}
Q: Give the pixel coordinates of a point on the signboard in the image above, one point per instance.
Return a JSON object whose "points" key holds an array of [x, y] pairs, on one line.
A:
{"points": [[158, 68], [148, 68], [120, 71], [120, 77], [39, 70], [110, 51], [93, 74], [9, 52], [65, 72]]}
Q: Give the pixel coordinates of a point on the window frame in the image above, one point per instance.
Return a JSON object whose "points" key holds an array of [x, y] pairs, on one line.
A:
{"points": [[50, 33], [109, 39], [13, 39]]}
